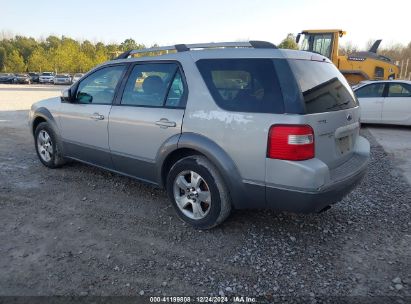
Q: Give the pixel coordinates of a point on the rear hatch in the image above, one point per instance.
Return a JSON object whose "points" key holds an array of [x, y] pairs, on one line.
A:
{"points": [[331, 109]]}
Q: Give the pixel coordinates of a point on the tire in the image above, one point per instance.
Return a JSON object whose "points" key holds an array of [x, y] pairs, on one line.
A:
{"points": [[205, 201], [47, 148]]}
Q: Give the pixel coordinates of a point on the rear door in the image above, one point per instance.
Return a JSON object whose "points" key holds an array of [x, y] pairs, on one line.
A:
{"points": [[397, 104], [149, 112], [84, 122], [371, 99]]}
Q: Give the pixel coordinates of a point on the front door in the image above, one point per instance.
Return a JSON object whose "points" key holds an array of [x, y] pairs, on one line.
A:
{"points": [[84, 121], [371, 102], [150, 113]]}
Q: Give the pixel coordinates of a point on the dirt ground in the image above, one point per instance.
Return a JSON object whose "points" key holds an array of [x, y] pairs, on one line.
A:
{"points": [[79, 230]]}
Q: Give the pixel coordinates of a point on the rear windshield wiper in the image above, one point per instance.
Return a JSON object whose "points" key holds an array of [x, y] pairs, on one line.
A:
{"points": [[339, 105]]}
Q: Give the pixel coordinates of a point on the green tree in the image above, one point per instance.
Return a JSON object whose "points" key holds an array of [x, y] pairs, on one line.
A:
{"points": [[3, 58], [15, 62], [25, 45], [88, 48], [130, 44], [39, 61], [289, 43], [82, 63], [52, 42]]}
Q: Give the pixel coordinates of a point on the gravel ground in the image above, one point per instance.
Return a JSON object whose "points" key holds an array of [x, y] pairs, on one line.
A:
{"points": [[83, 231]]}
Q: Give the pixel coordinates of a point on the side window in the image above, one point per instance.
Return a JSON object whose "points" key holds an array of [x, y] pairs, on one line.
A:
{"points": [[371, 90], [322, 44], [153, 85], [99, 87], [243, 85], [379, 73], [176, 93], [399, 90]]}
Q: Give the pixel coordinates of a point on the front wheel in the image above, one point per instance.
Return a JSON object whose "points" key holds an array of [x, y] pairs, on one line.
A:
{"points": [[198, 193], [46, 146]]}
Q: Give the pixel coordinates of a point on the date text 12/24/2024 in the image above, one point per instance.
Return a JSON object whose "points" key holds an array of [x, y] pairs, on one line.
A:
{"points": [[221, 299]]}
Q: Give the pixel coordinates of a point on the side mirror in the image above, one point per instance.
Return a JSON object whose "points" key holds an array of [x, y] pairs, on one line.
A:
{"points": [[84, 98], [297, 39], [66, 96]]}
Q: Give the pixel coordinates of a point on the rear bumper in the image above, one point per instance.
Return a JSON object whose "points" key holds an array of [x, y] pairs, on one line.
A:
{"points": [[46, 80], [342, 180], [313, 197], [7, 81], [313, 201]]}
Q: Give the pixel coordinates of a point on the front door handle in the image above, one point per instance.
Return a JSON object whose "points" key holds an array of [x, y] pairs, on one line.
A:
{"points": [[97, 116], [165, 123]]}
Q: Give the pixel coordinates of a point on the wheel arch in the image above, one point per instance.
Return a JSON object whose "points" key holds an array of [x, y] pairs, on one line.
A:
{"points": [[196, 144], [43, 115]]}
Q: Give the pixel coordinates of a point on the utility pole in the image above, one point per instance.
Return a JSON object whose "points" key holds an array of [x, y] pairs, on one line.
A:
{"points": [[406, 69], [401, 68]]}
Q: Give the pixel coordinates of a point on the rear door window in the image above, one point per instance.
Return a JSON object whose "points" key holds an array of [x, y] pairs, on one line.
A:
{"points": [[323, 87], [154, 85], [399, 90], [243, 85], [371, 91]]}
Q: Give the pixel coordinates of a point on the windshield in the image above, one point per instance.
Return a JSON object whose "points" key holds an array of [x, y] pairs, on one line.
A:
{"points": [[318, 43], [21, 75], [323, 87], [78, 75], [47, 74]]}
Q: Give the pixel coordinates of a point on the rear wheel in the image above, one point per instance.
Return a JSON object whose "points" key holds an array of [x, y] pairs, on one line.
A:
{"points": [[46, 146], [198, 193]]}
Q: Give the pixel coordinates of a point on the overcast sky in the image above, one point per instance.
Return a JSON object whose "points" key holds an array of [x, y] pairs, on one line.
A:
{"points": [[184, 21]]}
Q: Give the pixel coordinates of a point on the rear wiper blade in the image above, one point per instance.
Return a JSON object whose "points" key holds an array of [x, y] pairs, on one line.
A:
{"points": [[339, 105]]}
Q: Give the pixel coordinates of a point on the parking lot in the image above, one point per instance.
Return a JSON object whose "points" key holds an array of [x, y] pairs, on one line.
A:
{"points": [[79, 230]]}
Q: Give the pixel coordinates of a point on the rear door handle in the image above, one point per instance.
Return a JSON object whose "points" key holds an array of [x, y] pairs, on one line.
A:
{"points": [[97, 116], [165, 123]]}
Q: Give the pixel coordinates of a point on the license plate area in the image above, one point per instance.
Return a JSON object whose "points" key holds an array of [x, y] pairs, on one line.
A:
{"points": [[344, 144]]}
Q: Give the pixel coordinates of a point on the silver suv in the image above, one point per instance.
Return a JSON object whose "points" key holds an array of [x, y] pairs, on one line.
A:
{"points": [[219, 126]]}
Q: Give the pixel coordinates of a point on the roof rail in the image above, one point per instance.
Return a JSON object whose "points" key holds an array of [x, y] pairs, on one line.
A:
{"points": [[212, 45]]}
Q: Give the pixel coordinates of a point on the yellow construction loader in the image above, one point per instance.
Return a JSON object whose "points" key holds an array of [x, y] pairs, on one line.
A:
{"points": [[355, 67]]}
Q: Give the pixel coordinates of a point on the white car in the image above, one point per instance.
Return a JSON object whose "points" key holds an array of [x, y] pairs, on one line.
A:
{"points": [[385, 102], [62, 79], [46, 77], [77, 76]]}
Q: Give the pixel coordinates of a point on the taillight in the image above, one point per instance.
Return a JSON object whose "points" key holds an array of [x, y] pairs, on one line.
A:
{"points": [[291, 142]]}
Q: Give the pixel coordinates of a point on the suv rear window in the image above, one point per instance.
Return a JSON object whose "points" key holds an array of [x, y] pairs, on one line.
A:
{"points": [[323, 87], [243, 85]]}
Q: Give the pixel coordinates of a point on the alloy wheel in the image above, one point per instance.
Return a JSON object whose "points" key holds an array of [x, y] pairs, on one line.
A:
{"points": [[192, 195], [45, 146]]}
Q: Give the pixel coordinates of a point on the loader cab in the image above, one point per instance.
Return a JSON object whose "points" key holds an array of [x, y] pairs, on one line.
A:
{"points": [[324, 42]]}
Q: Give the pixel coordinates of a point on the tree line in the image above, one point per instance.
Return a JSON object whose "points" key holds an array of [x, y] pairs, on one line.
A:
{"points": [[24, 54], [63, 54]]}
